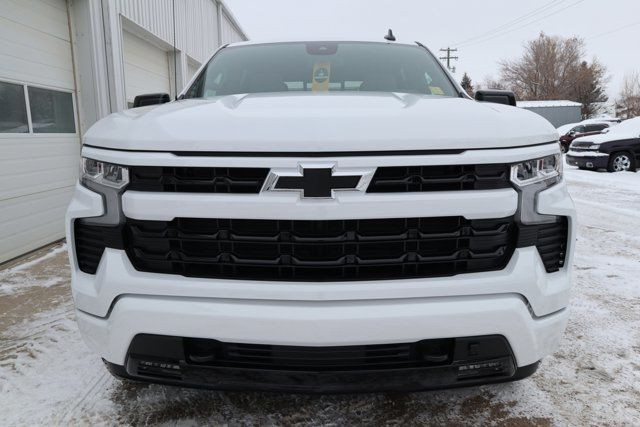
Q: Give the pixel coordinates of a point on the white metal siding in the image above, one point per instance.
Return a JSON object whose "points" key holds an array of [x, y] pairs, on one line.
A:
{"points": [[196, 23], [192, 67], [146, 67], [230, 33], [558, 116], [37, 171]]}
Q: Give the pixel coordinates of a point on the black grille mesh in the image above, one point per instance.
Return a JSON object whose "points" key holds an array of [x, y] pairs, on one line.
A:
{"points": [[385, 180], [581, 144], [169, 247], [439, 178], [91, 240], [197, 179], [550, 240], [362, 357], [320, 250]]}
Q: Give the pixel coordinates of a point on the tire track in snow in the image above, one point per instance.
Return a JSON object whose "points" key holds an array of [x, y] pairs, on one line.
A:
{"points": [[87, 400]]}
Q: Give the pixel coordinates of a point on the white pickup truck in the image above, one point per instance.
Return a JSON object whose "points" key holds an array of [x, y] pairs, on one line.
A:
{"points": [[326, 216]]}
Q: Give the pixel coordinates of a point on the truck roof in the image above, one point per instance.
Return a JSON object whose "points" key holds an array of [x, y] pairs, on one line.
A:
{"points": [[318, 40]]}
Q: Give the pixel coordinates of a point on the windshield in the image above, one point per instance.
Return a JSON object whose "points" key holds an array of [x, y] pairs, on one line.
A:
{"points": [[322, 67]]}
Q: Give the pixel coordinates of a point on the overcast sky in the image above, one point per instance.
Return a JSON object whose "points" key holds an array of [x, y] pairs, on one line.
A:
{"points": [[484, 31]]}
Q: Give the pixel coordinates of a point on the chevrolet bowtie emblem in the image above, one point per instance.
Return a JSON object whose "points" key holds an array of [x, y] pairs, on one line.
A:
{"points": [[317, 182]]}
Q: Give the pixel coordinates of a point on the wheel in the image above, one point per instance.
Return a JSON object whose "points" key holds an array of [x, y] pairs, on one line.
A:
{"points": [[621, 161], [563, 148]]}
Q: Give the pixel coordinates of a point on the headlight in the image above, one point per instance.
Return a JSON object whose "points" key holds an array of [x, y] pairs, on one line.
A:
{"points": [[114, 176], [594, 147], [537, 170]]}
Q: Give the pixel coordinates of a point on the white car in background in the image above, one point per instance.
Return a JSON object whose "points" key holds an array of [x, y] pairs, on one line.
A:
{"points": [[596, 126], [611, 121]]}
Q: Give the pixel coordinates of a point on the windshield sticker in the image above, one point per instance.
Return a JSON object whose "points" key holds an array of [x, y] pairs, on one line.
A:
{"points": [[321, 75], [436, 90]]}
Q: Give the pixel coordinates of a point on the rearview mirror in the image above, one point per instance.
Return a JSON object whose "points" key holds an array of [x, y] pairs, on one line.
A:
{"points": [[150, 99], [498, 96]]}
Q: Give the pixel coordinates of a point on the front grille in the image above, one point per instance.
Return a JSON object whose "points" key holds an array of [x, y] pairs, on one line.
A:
{"points": [[581, 144], [332, 250], [359, 357], [400, 179], [197, 179], [386, 179], [583, 150]]}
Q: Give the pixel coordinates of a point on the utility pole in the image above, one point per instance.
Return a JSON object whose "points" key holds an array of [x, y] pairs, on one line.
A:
{"points": [[448, 58]]}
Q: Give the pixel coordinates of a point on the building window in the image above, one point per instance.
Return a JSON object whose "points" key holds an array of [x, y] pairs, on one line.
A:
{"points": [[13, 110], [51, 111]]}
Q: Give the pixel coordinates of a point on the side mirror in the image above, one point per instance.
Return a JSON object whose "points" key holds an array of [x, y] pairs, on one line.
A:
{"points": [[150, 99], [498, 96]]}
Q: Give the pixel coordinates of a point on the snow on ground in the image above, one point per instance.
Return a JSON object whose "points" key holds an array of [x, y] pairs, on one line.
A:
{"points": [[48, 376], [31, 272]]}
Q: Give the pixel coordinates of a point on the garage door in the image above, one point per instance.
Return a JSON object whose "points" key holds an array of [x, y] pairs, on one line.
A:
{"points": [[146, 67], [39, 143]]}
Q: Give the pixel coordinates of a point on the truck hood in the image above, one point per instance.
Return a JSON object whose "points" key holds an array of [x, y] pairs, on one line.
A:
{"points": [[306, 122]]}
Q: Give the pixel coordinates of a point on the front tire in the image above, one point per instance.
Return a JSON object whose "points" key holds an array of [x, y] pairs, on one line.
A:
{"points": [[620, 162]]}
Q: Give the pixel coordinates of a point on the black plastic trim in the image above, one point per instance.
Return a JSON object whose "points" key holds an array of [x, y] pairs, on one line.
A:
{"points": [[551, 240], [91, 241], [166, 360], [404, 382], [303, 154]]}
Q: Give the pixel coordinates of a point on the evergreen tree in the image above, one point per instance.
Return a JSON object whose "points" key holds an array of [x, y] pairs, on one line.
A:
{"points": [[466, 84]]}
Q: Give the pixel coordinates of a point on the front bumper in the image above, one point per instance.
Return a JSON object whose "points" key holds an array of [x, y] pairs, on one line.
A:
{"points": [[329, 323], [589, 160]]}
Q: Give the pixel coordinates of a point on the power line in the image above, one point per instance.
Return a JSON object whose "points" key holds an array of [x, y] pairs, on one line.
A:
{"points": [[522, 26], [614, 31], [517, 20]]}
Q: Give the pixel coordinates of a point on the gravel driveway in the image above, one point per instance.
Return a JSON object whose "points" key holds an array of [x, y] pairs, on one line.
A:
{"points": [[48, 376]]}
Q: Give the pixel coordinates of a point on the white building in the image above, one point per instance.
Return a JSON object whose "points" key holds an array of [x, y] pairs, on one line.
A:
{"points": [[558, 112], [64, 64]]}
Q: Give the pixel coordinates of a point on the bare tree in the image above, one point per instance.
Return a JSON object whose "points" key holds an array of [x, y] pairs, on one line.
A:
{"points": [[491, 83], [554, 68], [628, 102]]}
